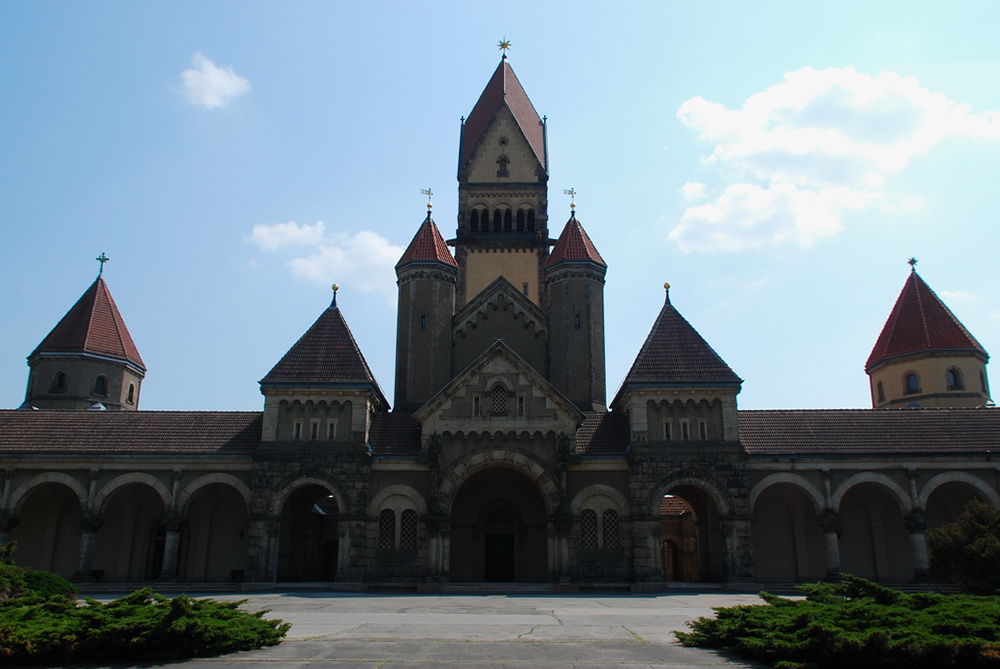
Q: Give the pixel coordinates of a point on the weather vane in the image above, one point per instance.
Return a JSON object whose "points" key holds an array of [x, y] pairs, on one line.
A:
{"points": [[912, 262], [429, 193], [572, 198], [102, 259], [504, 46]]}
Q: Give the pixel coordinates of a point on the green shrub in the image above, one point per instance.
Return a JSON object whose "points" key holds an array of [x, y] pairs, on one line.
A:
{"points": [[967, 551], [858, 624], [20, 582]]}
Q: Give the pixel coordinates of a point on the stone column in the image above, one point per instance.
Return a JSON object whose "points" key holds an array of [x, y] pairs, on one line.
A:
{"points": [[90, 523], [916, 523], [829, 521], [739, 550], [171, 548]]}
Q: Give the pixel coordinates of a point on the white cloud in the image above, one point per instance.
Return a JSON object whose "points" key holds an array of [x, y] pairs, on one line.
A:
{"points": [[957, 296], [694, 191], [803, 152], [363, 260], [210, 86]]}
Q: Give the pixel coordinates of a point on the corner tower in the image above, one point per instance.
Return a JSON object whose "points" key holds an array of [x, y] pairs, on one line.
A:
{"points": [[502, 191], [88, 360], [925, 356]]}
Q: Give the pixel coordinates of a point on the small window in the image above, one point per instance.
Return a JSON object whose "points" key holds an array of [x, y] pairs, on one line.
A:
{"points": [[702, 430], [331, 430], [524, 287], [911, 384], [685, 430], [474, 221], [130, 397], [408, 529], [611, 531], [520, 220], [954, 379], [520, 405], [59, 383], [668, 430], [297, 430], [982, 381], [880, 389], [314, 429], [387, 529], [498, 400], [588, 529], [531, 220], [508, 221], [502, 163], [477, 406], [577, 321], [423, 321], [101, 386]]}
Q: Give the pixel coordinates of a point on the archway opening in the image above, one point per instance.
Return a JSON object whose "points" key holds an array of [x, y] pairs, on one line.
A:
{"points": [[309, 545], [787, 538], [129, 544], [48, 534], [947, 501], [498, 529], [691, 540], [214, 536], [874, 541]]}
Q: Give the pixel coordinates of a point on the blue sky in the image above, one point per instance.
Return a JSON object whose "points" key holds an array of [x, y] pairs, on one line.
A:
{"points": [[777, 163]]}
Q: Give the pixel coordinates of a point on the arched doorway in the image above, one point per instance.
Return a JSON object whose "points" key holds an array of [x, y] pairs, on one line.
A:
{"points": [[498, 529], [214, 540], [947, 501], [48, 534], [308, 547], [129, 543], [874, 541], [787, 538], [692, 547]]}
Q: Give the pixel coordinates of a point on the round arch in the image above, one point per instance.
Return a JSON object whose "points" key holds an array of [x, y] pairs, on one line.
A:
{"points": [[208, 479], [958, 477], [479, 460], [723, 501], [902, 498], [797, 480], [279, 498], [397, 489], [22, 491], [595, 490], [125, 479]]}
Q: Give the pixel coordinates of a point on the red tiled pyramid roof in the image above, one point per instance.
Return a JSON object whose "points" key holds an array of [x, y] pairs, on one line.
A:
{"points": [[869, 431], [674, 353], [92, 325], [502, 88], [574, 244], [920, 321], [427, 246], [132, 432], [327, 355]]}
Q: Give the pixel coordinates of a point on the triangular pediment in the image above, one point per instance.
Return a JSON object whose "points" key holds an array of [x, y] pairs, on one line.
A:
{"points": [[499, 393], [499, 296]]}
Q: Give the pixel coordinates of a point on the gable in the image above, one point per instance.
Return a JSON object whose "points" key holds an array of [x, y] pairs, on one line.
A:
{"points": [[503, 141], [499, 392]]}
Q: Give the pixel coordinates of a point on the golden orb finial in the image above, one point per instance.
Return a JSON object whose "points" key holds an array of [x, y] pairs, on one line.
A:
{"points": [[335, 287], [666, 285]]}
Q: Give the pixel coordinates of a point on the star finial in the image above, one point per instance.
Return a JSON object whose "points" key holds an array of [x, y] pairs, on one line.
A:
{"points": [[504, 46], [102, 259], [429, 193], [912, 262]]}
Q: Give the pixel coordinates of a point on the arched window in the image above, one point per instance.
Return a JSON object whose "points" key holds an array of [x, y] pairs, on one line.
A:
{"points": [[502, 163], [612, 529], [101, 386], [408, 529], [474, 221], [387, 529], [59, 383], [911, 384], [531, 220], [588, 528], [498, 399], [953, 378], [520, 220], [508, 220], [130, 397], [880, 390], [497, 220]]}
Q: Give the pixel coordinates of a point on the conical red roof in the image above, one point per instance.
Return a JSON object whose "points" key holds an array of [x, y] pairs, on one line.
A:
{"points": [[574, 245], [674, 353], [503, 88], [427, 246], [920, 321], [93, 325], [325, 355]]}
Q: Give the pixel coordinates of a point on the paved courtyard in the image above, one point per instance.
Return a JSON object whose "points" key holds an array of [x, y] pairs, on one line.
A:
{"points": [[358, 631]]}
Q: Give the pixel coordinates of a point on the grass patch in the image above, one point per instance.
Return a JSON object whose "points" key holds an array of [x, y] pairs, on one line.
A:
{"points": [[857, 624]]}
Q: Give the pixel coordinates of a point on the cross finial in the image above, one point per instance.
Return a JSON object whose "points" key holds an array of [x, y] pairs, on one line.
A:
{"points": [[912, 262], [572, 199], [429, 193], [102, 259], [504, 46]]}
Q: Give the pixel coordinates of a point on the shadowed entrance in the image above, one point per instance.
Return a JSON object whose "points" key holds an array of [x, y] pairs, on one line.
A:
{"points": [[498, 529]]}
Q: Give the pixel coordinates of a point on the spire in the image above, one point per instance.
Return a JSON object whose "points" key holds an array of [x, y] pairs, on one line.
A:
{"points": [[503, 89], [92, 326], [427, 246], [919, 322], [574, 245], [326, 355], [675, 354]]}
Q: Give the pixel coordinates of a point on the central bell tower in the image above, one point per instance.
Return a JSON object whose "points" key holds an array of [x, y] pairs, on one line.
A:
{"points": [[502, 191]]}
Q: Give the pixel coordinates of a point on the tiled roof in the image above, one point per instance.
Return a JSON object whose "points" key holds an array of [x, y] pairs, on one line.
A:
{"points": [[674, 352], [503, 87], [574, 244], [602, 433], [869, 431], [427, 246], [93, 325], [325, 355], [920, 321], [129, 432], [394, 433]]}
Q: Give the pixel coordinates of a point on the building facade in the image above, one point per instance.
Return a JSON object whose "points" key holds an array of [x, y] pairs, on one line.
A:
{"points": [[501, 459]]}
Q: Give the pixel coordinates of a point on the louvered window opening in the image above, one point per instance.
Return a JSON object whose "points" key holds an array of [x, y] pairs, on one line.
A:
{"points": [[408, 529], [612, 529], [588, 529], [387, 529], [499, 400]]}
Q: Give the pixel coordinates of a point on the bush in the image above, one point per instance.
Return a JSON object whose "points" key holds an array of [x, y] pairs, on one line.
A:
{"points": [[967, 551], [20, 582], [857, 624]]}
